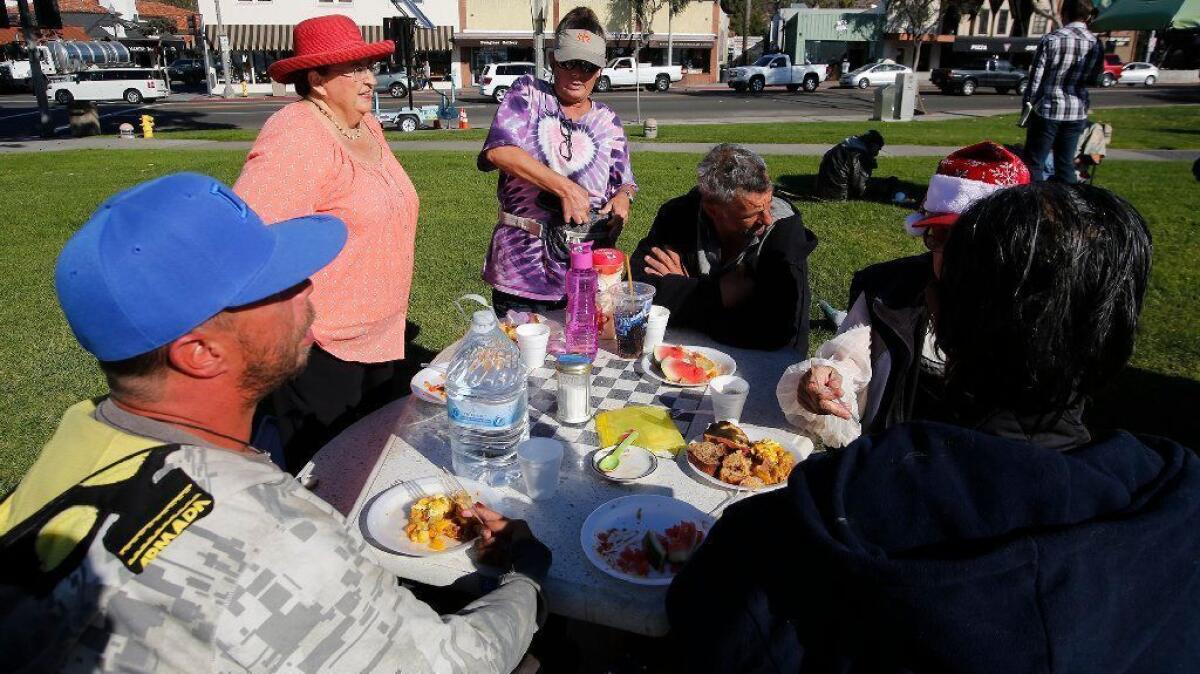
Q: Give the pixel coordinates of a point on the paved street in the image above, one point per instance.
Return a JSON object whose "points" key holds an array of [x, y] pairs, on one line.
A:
{"points": [[18, 113]]}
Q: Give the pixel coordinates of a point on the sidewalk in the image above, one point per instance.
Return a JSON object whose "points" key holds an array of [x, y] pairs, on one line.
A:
{"points": [[403, 147]]}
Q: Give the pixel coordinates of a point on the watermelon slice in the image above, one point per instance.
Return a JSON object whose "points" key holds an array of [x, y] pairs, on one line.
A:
{"points": [[656, 551], [682, 541], [681, 371], [665, 351]]}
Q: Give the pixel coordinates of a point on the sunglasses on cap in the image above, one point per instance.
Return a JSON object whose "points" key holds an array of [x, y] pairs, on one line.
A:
{"points": [[583, 67]]}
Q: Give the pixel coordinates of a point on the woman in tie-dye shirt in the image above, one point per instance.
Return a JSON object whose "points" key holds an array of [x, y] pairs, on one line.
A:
{"points": [[553, 141]]}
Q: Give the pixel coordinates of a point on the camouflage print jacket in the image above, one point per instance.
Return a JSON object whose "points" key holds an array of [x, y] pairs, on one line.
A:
{"points": [[201, 559]]}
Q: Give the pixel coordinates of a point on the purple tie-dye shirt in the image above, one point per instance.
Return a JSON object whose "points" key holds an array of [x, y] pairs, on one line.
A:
{"points": [[530, 118]]}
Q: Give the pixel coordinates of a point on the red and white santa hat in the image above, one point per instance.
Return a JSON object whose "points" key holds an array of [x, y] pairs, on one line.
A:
{"points": [[964, 177]]}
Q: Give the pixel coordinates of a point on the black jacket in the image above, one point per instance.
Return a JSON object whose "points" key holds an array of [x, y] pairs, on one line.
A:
{"points": [[931, 548], [777, 313], [844, 171], [895, 295]]}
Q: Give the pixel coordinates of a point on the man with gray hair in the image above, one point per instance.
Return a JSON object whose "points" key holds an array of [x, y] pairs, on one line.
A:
{"points": [[730, 258]]}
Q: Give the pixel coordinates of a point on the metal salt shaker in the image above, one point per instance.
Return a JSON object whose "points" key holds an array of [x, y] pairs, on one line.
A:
{"points": [[574, 373]]}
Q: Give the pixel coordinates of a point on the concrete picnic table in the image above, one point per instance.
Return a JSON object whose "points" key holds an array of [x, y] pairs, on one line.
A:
{"points": [[407, 439]]}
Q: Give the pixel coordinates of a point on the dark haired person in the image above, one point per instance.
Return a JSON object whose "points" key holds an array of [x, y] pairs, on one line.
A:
{"points": [[846, 168], [730, 258], [151, 536], [1067, 61], [1012, 541], [883, 365], [563, 160]]}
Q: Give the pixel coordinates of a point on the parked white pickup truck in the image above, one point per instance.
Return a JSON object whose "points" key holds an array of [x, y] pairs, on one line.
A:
{"points": [[776, 70], [620, 73]]}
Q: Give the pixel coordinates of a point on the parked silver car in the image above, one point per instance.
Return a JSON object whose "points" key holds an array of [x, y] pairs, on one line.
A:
{"points": [[396, 82]]}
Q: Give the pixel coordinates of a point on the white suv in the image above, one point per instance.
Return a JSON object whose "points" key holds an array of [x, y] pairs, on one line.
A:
{"points": [[497, 78], [132, 85]]}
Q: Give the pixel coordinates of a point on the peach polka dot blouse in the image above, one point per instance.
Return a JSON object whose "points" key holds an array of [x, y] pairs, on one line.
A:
{"points": [[298, 166]]}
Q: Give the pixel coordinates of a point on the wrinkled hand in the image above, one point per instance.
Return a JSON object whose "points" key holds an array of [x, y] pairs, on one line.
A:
{"points": [[619, 207], [506, 543], [820, 392], [664, 262], [576, 206]]}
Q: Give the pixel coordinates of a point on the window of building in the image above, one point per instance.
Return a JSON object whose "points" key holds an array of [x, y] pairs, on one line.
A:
{"points": [[1002, 22], [981, 25], [1038, 25]]}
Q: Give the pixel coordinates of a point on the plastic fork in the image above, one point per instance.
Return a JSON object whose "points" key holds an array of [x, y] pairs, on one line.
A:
{"points": [[452, 486]]}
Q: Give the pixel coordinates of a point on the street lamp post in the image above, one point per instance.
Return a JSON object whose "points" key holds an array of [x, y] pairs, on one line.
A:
{"points": [[223, 41], [45, 123], [538, 10]]}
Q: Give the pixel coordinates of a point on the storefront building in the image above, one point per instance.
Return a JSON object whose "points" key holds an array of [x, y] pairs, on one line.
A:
{"points": [[497, 31], [833, 36]]}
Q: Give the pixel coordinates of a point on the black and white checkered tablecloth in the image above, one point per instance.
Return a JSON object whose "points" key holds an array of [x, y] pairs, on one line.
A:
{"points": [[616, 383]]}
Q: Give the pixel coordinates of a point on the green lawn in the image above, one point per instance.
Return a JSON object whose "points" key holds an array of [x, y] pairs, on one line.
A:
{"points": [[1158, 128], [47, 196]]}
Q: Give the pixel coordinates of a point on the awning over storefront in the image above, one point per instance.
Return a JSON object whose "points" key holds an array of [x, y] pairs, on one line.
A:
{"points": [[278, 37], [683, 41], [996, 45]]}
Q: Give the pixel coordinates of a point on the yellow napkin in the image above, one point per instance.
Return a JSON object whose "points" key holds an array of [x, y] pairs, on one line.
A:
{"points": [[656, 431]]}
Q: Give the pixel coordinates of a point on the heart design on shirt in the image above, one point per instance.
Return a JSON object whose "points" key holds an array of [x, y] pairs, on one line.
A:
{"points": [[554, 138]]}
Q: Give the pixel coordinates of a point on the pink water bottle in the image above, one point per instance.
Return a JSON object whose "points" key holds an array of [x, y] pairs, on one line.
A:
{"points": [[580, 326]]}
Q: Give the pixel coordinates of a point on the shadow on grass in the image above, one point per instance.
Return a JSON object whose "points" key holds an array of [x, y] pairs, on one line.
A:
{"points": [[1140, 401], [879, 189]]}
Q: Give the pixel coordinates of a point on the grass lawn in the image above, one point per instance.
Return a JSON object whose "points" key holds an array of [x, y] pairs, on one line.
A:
{"points": [[1157, 128], [47, 196]]}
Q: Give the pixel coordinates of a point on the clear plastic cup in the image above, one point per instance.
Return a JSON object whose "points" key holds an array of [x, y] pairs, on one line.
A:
{"points": [[631, 310], [728, 394], [532, 340], [540, 460]]}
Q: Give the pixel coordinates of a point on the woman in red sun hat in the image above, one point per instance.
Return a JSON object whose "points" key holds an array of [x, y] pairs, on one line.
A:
{"points": [[326, 154]]}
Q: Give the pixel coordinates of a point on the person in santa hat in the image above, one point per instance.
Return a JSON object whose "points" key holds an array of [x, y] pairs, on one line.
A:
{"points": [[883, 366]]}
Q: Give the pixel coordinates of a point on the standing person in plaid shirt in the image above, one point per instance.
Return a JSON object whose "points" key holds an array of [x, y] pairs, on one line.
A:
{"points": [[1067, 62]]}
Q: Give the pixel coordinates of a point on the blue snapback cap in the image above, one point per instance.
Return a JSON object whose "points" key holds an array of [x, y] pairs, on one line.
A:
{"points": [[160, 258]]}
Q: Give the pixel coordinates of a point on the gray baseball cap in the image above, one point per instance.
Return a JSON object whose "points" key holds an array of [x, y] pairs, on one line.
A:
{"points": [[581, 45]]}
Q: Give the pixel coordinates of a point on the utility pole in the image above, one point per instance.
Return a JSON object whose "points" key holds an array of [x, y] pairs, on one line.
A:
{"points": [[670, 33], [223, 44], [539, 37], [746, 34], [45, 123]]}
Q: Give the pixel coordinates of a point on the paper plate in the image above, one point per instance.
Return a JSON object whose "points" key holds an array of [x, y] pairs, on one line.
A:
{"points": [[636, 515], [383, 519], [724, 362], [427, 378], [798, 445], [636, 463]]}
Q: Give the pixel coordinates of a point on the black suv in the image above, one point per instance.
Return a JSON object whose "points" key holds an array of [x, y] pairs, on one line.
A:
{"points": [[186, 70], [1002, 75]]}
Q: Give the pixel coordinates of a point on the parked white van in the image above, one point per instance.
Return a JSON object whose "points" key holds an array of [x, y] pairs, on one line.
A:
{"points": [[132, 85]]}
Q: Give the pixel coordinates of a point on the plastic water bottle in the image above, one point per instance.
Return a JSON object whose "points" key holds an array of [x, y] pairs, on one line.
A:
{"points": [[582, 282], [487, 403]]}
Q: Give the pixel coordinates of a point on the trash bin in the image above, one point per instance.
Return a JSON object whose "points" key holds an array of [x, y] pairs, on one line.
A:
{"points": [[84, 119], [885, 103]]}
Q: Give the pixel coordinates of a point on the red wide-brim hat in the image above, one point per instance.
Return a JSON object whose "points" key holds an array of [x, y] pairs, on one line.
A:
{"points": [[326, 41]]}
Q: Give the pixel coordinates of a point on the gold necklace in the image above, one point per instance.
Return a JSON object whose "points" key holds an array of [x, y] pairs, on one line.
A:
{"points": [[349, 134]]}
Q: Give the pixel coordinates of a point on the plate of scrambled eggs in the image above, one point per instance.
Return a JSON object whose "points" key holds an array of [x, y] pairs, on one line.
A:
{"points": [[418, 518]]}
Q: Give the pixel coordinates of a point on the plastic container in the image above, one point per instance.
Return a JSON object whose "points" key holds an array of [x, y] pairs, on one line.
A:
{"points": [[487, 403], [580, 329], [610, 270]]}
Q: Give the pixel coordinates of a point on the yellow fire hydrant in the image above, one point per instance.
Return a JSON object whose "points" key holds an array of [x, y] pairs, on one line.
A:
{"points": [[147, 126], [245, 90]]}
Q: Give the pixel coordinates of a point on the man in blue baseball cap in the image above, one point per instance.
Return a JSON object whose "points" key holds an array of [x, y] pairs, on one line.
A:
{"points": [[150, 534]]}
